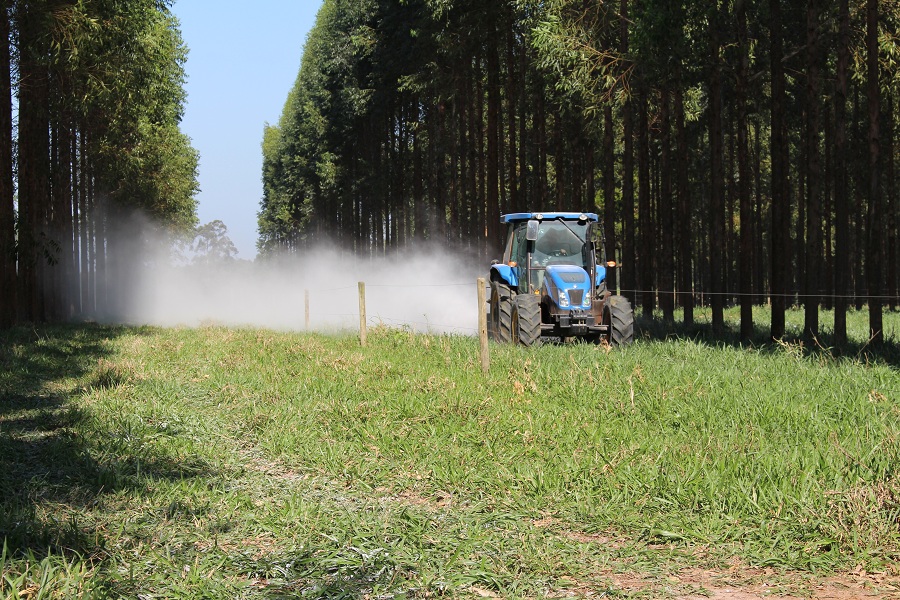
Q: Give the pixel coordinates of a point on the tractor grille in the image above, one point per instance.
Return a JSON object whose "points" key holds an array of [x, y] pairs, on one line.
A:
{"points": [[575, 297]]}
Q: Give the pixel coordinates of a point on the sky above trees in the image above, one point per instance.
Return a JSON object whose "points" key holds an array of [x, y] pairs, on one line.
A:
{"points": [[241, 65]]}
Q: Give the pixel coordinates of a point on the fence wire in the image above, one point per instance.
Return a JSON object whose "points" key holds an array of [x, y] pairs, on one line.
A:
{"points": [[635, 294]]}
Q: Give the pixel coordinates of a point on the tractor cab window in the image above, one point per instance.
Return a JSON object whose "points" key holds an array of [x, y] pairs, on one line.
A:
{"points": [[519, 252], [560, 243]]}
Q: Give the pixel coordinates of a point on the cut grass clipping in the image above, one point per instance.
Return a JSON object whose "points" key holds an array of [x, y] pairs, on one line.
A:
{"points": [[226, 463]]}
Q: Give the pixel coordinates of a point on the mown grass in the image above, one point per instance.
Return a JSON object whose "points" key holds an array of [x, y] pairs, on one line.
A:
{"points": [[215, 462]]}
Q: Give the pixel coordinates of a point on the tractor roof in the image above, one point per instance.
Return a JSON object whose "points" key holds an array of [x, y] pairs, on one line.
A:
{"points": [[547, 216]]}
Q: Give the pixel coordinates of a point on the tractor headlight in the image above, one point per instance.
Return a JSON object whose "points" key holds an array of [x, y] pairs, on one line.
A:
{"points": [[563, 299], [586, 302]]}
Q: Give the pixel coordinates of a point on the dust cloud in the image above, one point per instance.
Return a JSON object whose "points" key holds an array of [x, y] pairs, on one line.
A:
{"points": [[429, 290]]}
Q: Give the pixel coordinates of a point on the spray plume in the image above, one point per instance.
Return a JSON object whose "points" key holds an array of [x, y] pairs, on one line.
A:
{"points": [[425, 290]]}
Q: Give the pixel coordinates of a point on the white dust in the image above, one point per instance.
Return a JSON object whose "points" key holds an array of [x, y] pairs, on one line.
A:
{"points": [[423, 290]]}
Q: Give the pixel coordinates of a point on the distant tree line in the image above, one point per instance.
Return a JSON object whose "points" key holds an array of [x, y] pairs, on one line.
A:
{"points": [[91, 94], [738, 151]]}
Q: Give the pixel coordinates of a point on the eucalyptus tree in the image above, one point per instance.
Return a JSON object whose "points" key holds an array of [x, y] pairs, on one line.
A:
{"points": [[99, 87]]}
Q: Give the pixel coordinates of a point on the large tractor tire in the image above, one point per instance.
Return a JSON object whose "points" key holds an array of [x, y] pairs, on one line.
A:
{"points": [[501, 313], [526, 319], [619, 316]]}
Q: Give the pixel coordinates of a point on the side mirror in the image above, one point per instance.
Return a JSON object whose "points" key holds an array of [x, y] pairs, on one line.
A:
{"points": [[531, 233]]}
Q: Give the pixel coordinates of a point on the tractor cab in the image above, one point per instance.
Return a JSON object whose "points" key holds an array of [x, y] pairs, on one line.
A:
{"points": [[533, 245]]}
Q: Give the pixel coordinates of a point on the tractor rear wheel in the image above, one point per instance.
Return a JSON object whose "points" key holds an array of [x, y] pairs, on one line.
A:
{"points": [[526, 319], [501, 313], [619, 317]]}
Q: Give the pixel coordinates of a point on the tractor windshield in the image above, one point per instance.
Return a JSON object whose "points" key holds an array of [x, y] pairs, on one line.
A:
{"points": [[558, 243]]}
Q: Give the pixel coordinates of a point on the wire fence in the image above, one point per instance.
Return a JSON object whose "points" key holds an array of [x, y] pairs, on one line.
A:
{"points": [[794, 295], [430, 319]]}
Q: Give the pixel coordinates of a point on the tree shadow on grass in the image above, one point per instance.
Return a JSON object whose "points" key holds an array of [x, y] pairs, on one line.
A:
{"points": [[888, 353], [45, 462]]}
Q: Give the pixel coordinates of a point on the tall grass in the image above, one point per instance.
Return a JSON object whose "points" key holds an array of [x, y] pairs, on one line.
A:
{"points": [[227, 463]]}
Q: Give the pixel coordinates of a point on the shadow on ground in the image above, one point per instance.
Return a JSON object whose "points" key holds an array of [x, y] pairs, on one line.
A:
{"points": [[655, 328], [44, 459]]}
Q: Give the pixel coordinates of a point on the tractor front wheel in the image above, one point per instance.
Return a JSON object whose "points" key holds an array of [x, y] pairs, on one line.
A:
{"points": [[618, 316], [501, 313], [526, 319]]}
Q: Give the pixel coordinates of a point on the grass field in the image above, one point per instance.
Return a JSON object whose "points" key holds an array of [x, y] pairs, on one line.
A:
{"points": [[221, 462]]}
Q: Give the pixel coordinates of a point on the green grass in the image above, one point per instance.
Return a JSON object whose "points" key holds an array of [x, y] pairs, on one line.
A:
{"points": [[214, 462]]}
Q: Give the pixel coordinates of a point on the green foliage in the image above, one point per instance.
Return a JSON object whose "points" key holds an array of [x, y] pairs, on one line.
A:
{"points": [[119, 74], [130, 59], [577, 44]]}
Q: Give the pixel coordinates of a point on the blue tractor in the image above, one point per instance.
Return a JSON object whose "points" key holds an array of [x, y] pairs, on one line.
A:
{"points": [[552, 283]]}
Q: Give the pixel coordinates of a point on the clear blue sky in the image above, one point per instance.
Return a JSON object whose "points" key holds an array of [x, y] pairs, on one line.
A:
{"points": [[242, 62]]}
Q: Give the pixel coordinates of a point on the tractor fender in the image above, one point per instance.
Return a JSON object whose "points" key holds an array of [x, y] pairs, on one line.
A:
{"points": [[601, 275], [505, 273]]}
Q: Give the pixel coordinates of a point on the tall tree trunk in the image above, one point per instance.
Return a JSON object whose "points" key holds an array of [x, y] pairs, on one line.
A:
{"points": [[439, 191], [860, 173], [812, 275], [559, 163], [781, 207], [609, 195], [665, 221], [717, 187], [841, 195], [874, 229], [473, 146], [892, 208], [8, 304], [743, 159], [543, 189], [685, 222], [645, 224], [526, 176], [628, 273], [512, 103], [760, 227], [827, 211]]}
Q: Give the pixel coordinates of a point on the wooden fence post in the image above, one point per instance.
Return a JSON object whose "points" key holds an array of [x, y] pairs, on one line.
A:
{"points": [[362, 314], [482, 326]]}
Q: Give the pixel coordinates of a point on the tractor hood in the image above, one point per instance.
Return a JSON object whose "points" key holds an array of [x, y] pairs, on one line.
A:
{"points": [[568, 286]]}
